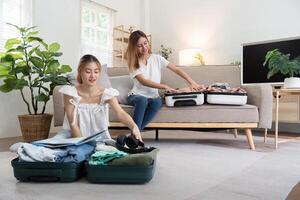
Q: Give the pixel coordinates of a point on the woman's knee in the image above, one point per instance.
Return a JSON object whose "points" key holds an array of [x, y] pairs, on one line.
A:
{"points": [[156, 103], [140, 100]]}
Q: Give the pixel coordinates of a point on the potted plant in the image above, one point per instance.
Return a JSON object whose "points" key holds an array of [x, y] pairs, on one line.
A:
{"points": [[199, 58], [165, 52], [281, 63], [30, 65]]}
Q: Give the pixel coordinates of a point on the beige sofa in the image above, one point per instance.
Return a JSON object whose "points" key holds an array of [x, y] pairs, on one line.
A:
{"points": [[257, 113]]}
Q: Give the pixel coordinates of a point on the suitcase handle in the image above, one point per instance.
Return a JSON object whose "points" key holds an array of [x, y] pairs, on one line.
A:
{"points": [[43, 174]]}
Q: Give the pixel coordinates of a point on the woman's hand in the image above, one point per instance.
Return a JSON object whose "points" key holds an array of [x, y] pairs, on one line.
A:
{"points": [[137, 134], [169, 89], [196, 87]]}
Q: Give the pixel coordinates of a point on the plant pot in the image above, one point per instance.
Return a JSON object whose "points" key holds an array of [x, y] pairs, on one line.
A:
{"points": [[35, 127], [292, 82]]}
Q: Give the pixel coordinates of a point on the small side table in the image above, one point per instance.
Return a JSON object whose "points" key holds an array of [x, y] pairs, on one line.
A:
{"points": [[278, 94]]}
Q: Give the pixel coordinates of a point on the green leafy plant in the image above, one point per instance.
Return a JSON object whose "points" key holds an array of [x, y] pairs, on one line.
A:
{"points": [[199, 58], [236, 62], [281, 63], [30, 63], [165, 51]]}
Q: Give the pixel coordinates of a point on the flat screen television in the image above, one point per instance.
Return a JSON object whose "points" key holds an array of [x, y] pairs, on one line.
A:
{"points": [[253, 57]]}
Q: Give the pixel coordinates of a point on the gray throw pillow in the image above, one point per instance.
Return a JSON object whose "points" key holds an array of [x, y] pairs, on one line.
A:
{"points": [[103, 79], [123, 84]]}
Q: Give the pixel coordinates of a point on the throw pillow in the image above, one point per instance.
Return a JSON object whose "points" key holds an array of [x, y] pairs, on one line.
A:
{"points": [[123, 84]]}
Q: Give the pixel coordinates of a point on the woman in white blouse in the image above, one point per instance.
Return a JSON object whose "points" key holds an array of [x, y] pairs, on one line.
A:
{"points": [[145, 71], [86, 104]]}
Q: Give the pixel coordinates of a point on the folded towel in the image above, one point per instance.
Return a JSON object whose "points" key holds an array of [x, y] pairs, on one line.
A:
{"points": [[103, 157]]}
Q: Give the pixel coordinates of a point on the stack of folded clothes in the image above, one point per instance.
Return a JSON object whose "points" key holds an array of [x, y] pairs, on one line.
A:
{"points": [[224, 88], [32, 153], [63, 159], [129, 162]]}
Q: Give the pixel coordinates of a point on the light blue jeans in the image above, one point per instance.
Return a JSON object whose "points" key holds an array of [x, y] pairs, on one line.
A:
{"points": [[144, 109]]}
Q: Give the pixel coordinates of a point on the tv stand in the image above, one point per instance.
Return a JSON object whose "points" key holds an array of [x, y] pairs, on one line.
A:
{"points": [[277, 94]]}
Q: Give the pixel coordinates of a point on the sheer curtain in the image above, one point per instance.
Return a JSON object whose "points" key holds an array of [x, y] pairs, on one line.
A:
{"points": [[97, 23]]}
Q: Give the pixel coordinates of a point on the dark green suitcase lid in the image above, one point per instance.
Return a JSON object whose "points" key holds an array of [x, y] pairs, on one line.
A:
{"points": [[47, 171]]}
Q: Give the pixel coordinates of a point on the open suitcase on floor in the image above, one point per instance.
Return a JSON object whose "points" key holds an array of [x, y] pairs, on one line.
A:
{"points": [[121, 173], [47, 171]]}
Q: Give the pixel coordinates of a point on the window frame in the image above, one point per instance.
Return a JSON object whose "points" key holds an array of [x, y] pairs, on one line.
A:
{"points": [[87, 45]]}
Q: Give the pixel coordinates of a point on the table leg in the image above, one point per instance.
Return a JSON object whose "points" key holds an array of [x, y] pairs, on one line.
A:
{"points": [[266, 135], [276, 119]]}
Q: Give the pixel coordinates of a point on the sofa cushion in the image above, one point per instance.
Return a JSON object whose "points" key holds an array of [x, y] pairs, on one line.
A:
{"points": [[203, 113], [123, 84]]}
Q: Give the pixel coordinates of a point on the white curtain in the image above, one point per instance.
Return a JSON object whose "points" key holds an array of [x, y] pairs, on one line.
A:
{"points": [[97, 23]]}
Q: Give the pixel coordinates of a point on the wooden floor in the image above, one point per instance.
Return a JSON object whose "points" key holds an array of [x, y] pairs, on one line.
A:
{"points": [[5, 143]]}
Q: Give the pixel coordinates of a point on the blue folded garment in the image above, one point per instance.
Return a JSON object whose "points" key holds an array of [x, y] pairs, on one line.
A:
{"points": [[57, 142], [74, 153]]}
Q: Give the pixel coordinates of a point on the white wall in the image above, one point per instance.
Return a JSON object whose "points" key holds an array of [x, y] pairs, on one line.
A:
{"points": [[129, 12], [218, 27], [59, 21]]}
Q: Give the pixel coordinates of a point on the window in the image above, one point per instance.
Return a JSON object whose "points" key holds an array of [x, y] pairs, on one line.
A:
{"points": [[96, 31], [15, 12]]}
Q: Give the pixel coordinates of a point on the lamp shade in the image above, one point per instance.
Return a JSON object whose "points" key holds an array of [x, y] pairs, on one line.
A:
{"points": [[190, 57]]}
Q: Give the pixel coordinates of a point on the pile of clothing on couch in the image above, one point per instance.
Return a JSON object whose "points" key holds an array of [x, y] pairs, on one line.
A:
{"points": [[215, 87]]}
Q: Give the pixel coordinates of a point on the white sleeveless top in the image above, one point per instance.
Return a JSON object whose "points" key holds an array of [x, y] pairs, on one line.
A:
{"points": [[91, 118]]}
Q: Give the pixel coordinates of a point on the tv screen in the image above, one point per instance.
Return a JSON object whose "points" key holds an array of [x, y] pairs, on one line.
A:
{"points": [[253, 57]]}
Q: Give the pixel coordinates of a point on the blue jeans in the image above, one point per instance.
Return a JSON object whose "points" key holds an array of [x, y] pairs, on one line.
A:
{"points": [[144, 109]]}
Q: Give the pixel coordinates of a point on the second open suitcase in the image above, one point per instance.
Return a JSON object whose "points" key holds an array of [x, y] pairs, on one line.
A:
{"points": [[136, 169], [120, 174]]}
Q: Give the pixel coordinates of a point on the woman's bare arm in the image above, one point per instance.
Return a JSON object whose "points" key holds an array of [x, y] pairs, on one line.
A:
{"points": [[192, 84], [69, 109], [124, 117], [153, 84]]}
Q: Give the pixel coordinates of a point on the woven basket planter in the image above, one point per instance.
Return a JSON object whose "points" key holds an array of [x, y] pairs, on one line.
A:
{"points": [[35, 127]]}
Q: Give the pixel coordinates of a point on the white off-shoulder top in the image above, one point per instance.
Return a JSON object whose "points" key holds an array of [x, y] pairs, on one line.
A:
{"points": [[91, 118]]}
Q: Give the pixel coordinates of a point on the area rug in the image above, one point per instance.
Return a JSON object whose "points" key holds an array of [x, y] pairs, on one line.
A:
{"points": [[190, 166]]}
